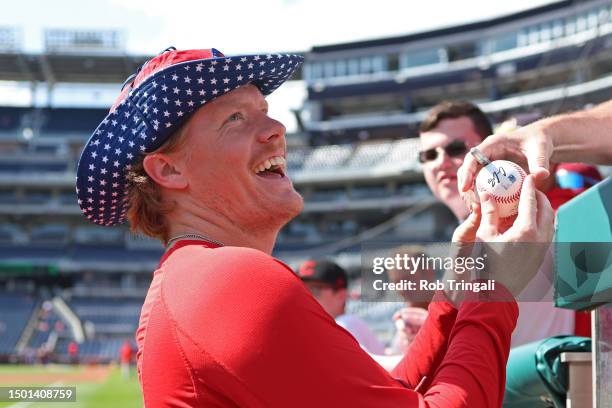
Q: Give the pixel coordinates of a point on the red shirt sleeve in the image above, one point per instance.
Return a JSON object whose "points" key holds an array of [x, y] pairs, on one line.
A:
{"points": [[474, 368], [234, 327], [428, 348]]}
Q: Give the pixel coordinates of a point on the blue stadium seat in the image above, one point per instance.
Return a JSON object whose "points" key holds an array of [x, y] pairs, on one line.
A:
{"points": [[8, 197], [56, 234], [15, 311], [72, 120], [11, 118]]}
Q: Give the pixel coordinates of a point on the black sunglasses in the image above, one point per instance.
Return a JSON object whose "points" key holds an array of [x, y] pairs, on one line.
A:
{"points": [[453, 149]]}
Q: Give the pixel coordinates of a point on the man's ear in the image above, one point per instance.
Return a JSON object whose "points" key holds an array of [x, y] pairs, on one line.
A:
{"points": [[162, 169]]}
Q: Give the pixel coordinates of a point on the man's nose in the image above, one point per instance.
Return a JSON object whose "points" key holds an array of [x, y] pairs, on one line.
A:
{"points": [[270, 129]]}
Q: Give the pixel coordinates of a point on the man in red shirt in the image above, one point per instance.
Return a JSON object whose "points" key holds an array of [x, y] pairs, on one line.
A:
{"points": [[224, 323], [125, 356], [73, 352]]}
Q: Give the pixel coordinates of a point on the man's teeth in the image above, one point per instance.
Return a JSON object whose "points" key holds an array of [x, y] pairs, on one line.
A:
{"points": [[268, 164]]}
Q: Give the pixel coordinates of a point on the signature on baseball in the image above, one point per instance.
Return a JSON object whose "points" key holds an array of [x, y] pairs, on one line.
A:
{"points": [[496, 173], [503, 180]]}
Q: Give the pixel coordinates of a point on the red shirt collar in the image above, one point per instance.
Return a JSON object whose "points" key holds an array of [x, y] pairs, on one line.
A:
{"points": [[185, 242]]}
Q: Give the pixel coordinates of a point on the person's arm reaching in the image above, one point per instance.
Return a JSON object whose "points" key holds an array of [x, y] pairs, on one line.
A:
{"points": [[472, 372], [582, 136]]}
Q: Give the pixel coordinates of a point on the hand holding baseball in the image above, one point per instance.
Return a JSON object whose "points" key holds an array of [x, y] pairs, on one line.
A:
{"points": [[534, 221], [530, 147], [515, 255]]}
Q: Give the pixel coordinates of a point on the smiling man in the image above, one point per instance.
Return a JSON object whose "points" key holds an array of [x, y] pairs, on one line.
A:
{"points": [[450, 129], [189, 155]]}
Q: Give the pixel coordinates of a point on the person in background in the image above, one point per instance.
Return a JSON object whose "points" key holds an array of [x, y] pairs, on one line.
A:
{"points": [[410, 318], [126, 354], [577, 176], [73, 352], [447, 133], [328, 283], [450, 129]]}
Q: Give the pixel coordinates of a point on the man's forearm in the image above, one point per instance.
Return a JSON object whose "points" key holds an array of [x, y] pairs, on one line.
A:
{"points": [[428, 349], [582, 136], [475, 363]]}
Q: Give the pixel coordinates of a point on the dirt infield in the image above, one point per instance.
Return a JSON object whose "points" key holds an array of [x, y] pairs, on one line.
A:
{"points": [[85, 374]]}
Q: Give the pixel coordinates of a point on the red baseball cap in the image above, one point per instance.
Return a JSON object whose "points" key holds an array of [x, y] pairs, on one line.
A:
{"points": [[323, 271]]}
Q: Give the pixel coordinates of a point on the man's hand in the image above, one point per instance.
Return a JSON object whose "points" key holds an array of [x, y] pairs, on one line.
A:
{"points": [[408, 321], [466, 232], [515, 255], [514, 247], [530, 147], [533, 223]]}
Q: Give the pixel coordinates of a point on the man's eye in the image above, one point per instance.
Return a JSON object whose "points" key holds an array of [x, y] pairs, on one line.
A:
{"points": [[235, 116]]}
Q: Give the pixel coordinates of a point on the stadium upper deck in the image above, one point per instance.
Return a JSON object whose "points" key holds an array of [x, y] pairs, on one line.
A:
{"points": [[547, 59], [40, 142], [70, 56], [543, 60]]}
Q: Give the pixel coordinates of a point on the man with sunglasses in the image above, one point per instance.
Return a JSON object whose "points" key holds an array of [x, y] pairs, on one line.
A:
{"points": [[450, 129], [447, 133]]}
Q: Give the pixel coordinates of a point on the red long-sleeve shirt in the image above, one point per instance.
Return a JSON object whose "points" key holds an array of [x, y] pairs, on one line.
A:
{"points": [[234, 327]]}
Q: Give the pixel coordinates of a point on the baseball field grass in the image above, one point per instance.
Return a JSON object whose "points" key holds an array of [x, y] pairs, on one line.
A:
{"points": [[96, 386]]}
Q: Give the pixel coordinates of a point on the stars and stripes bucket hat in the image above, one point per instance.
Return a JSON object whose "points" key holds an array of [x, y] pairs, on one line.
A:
{"points": [[152, 105]]}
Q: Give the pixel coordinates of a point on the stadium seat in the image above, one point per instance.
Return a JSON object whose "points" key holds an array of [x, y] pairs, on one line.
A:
{"points": [[15, 311], [368, 154], [326, 158]]}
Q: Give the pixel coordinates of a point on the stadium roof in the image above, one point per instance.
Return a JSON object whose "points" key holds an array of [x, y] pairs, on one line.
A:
{"points": [[75, 67], [475, 26], [68, 67]]}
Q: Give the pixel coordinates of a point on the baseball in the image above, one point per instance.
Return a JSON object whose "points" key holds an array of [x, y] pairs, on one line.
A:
{"points": [[503, 180]]}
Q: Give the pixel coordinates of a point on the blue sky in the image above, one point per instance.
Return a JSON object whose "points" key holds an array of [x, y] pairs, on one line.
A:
{"points": [[237, 26]]}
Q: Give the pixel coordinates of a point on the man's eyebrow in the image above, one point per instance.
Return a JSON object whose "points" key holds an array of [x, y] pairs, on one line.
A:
{"points": [[242, 104]]}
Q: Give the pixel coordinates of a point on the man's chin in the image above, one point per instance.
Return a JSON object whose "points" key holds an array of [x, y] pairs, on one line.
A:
{"points": [[288, 207], [295, 206], [449, 194], [452, 199]]}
